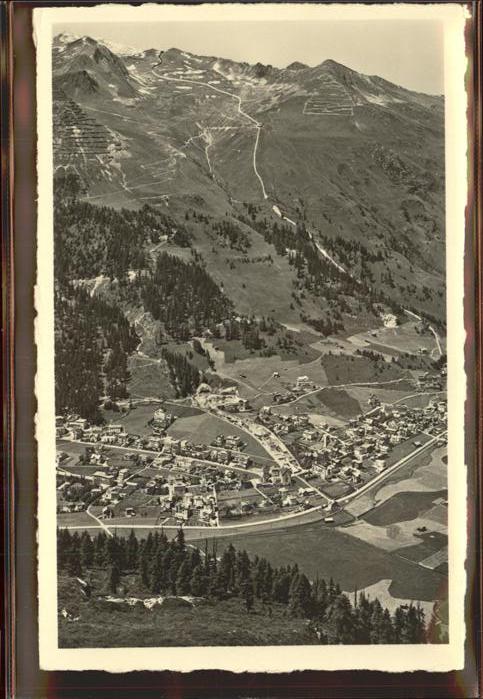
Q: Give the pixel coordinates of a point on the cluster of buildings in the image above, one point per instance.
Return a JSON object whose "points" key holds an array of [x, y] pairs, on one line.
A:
{"points": [[226, 399], [282, 424], [363, 449], [302, 385], [162, 419], [427, 381], [188, 483], [180, 498], [78, 428], [110, 484]]}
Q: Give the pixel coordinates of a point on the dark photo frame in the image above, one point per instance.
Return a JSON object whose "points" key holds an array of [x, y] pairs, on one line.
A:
{"points": [[23, 677]]}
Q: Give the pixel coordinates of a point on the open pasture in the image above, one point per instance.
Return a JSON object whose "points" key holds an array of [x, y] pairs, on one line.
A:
{"points": [[148, 379], [346, 369], [136, 420], [425, 472], [327, 552], [339, 402], [403, 338], [402, 507], [202, 429]]}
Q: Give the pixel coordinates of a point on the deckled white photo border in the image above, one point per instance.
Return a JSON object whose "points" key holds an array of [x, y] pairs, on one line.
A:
{"points": [[261, 658]]}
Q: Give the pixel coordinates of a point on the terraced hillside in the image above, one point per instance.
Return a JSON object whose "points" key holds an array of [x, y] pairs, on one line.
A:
{"points": [[330, 98], [78, 137]]}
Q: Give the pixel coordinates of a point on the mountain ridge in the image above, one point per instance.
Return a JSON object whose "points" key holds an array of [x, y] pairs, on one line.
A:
{"points": [[63, 39], [348, 157]]}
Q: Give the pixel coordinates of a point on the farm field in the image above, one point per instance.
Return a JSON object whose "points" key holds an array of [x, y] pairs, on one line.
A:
{"points": [[79, 469], [389, 394], [403, 338], [256, 373], [343, 368], [429, 544], [202, 429], [425, 472], [423, 399], [335, 490], [398, 536], [402, 507], [148, 379], [181, 410], [75, 519], [327, 552], [73, 449], [338, 401], [337, 404], [136, 420], [116, 456], [381, 590], [410, 505]]}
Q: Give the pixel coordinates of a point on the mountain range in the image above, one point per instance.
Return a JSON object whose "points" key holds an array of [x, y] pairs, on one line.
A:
{"points": [[356, 161]]}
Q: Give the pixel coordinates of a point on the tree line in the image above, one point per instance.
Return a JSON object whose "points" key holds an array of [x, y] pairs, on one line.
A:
{"points": [[184, 376], [160, 566], [93, 340], [183, 296], [90, 240], [93, 240]]}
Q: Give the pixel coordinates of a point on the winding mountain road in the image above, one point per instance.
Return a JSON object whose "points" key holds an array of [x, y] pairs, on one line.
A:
{"points": [[435, 334], [241, 111]]}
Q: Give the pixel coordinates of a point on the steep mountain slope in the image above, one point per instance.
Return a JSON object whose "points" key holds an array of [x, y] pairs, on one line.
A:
{"points": [[355, 159]]}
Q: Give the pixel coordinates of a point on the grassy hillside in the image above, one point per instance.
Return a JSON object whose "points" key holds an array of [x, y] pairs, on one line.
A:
{"points": [[178, 623]]}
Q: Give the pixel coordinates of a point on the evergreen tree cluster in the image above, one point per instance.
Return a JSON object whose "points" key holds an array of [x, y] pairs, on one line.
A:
{"points": [[247, 330], [170, 567], [183, 296], [185, 377], [93, 240], [352, 254], [232, 235], [326, 326], [92, 342], [317, 275]]}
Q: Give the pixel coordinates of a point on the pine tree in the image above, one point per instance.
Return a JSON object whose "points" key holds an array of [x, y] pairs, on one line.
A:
{"points": [[87, 551], [180, 539], [144, 571], [413, 629], [398, 625], [339, 625], [300, 596], [198, 582], [248, 595], [376, 623], [114, 578], [74, 566], [363, 619], [183, 578], [132, 550], [387, 631], [156, 576], [281, 587], [242, 574]]}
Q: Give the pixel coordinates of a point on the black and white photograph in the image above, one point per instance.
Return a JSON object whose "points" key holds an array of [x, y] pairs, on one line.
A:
{"points": [[250, 348]]}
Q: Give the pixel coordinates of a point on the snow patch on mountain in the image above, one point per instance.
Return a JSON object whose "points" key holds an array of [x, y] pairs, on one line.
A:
{"points": [[120, 49]]}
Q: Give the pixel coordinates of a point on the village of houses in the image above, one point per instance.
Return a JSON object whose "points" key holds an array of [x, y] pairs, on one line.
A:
{"points": [[107, 473]]}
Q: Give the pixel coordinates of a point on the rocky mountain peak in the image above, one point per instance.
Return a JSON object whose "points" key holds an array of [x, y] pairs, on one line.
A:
{"points": [[296, 65]]}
